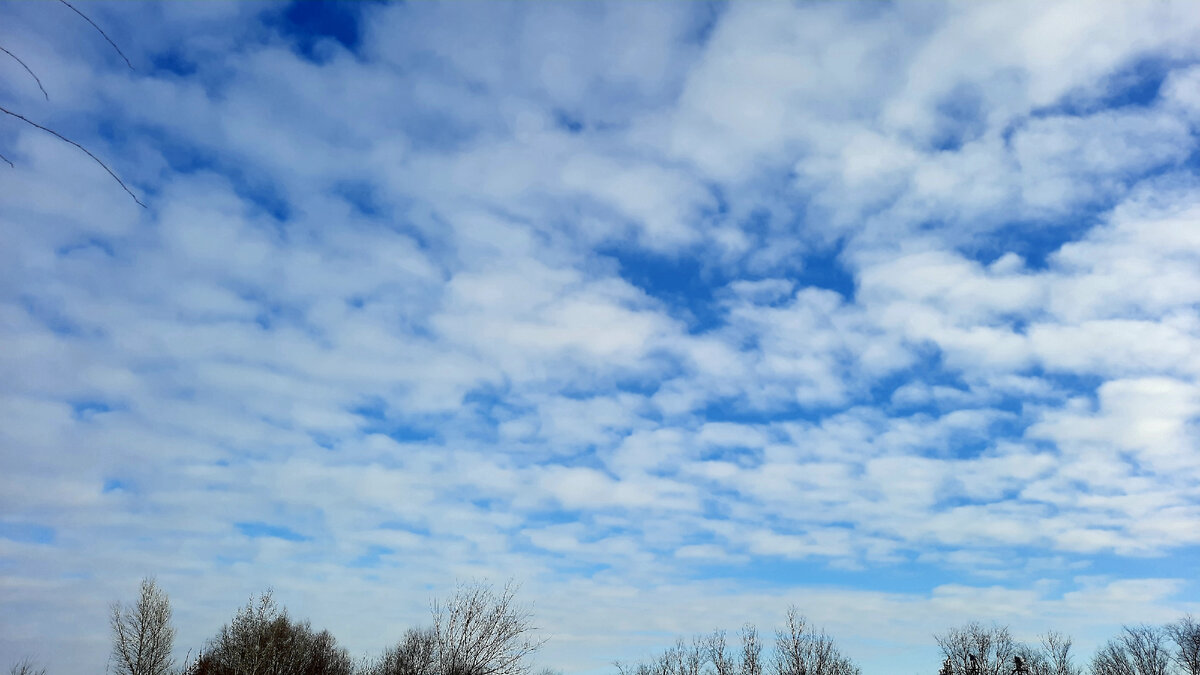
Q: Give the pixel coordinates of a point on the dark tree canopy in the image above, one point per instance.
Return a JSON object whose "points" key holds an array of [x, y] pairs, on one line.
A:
{"points": [[263, 640]]}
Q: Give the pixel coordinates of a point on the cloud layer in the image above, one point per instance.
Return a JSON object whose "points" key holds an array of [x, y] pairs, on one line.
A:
{"points": [[677, 313]]}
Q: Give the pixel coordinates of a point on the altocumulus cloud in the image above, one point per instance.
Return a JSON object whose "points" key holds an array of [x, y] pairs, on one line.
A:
{"points": [[677, 313]]}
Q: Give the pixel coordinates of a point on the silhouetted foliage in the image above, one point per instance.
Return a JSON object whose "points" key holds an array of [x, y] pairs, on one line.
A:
{"points": [[263, 640], [415, 654]]}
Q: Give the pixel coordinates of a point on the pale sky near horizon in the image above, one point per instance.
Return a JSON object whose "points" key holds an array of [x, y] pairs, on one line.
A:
{"points": [[676, 313]]}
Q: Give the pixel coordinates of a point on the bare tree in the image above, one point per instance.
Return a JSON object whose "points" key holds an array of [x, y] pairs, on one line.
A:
{"points": [[800, 651], [263, 640], [695, 657], [415, 654], [719, 654], [1185, 633], [990, 649], [751, 651], [142, 634], [1139, 650], [1111, 659], [633, 669], [483, 632], [1056, 652], [26, 667]]}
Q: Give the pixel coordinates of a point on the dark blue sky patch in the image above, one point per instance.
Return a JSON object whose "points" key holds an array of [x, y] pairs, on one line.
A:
{"points": [[309, 23], [256, 530], [372, 558], [741, 455], [180, 155], [488, 407], [172, 62], [1073, 383], [929, 369], [437, 131], [86, 245], [1034, 241], [27, 533], [402, 526], [264, 195], [961, 118], [87, 409], [972, 443], [682, 282], [49, 316], [377, 418], [486, 503], [360, 195], [539, 519], [572, 124], [250, 185], [403, 433], [718, 503], [705, 17], [739, 411], [1136, 84], [824, 269], [372, 408], [326, 441], [116, 485]]}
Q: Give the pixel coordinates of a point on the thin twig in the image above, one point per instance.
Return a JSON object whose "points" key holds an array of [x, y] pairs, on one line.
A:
{"points": [[27, 69], [10, 164], [85, 150], [114, 45]]}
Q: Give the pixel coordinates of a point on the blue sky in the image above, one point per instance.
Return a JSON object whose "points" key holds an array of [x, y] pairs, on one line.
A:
{"points": [[677, 313]]}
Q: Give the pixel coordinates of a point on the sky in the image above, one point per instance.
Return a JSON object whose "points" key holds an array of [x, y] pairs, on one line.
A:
{"points": [[675, 313]]}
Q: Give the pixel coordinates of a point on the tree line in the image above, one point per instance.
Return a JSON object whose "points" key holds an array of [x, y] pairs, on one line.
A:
{"points": [[482, 630]]}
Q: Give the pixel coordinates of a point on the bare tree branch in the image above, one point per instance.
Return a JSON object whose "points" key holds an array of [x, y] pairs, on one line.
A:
{"points": [[7, 161], [751, 651], [986, 650], [28, 70], [142, 634], [101, 30], [26, 667], [85, 150], [481, 631], [1186, 635], [1056, 650]]}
